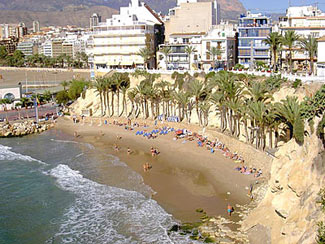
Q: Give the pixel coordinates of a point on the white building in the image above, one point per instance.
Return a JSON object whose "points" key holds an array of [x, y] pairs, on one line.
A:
{"points": [[321, 57], [117, 41], [305, 21], [36, 26], [178, 58], [46, 48], [222, 37]]}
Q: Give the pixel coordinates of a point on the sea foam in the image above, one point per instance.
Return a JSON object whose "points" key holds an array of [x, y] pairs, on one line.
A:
{"points": [[105, 214], [7, 154]]}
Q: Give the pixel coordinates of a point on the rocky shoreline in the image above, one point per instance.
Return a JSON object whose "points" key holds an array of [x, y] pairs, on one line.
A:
{"points": [[23, 128]]}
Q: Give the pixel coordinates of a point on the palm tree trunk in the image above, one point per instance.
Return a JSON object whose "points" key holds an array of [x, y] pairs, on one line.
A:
{"points": [[123, 105], [274, 60], [270, 138], [112, 104], [312, 65], [246, 131], [290, 60], [118, 102]]}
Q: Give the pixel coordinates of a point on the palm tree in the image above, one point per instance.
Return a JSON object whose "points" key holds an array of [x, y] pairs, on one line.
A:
{"points": [[65, 84], [196, 89], [124, 86], [99, 86], [190, 50], [166, 51], [309, 44], [146, 54], [274, 41], [289, 112], [289, 39], [215, 52]]}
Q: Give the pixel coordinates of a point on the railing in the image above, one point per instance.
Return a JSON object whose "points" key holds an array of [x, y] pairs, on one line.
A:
{"points": [[303, 77]]}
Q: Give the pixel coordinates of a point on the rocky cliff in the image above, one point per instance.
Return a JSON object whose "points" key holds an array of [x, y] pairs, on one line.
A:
{"points": [[289, 211]]}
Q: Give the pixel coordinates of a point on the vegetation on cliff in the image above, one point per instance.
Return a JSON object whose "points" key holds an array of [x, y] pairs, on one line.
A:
{"points": [[241, 102]]}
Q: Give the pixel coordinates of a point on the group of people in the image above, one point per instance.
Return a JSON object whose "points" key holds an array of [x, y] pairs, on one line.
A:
{"points": [[154, 151], [146, 167], [249, 171]]}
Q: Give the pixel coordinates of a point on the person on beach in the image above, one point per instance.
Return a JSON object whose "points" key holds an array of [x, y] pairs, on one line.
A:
{"points": [[116, 148], [129, 151], [229, 209]]}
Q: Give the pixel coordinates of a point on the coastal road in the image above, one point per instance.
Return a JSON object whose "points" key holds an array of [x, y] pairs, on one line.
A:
{"points": [[12, 115]]}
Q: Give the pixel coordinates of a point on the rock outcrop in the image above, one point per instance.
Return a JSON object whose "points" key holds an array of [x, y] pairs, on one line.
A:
{"points": [[289, 210], [23, 128]]}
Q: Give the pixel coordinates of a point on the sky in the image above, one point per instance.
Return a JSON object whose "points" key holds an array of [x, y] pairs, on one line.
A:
{"points": [[278, 6]]}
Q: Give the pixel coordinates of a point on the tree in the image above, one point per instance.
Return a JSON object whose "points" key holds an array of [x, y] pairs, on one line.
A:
{"points": [[146, 54], [166, 51], [289, 39], [196, 89], [76, 88], [289, 111], [3, 52], [62, 97], [274, 41], [215, 52], [309, 44], [65, 84], [190, 50]]}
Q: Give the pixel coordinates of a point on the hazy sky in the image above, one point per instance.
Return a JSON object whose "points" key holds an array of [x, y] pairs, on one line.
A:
{"points": [[278, 6]]}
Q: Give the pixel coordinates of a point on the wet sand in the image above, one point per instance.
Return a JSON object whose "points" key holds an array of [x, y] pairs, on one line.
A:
{"points": [[184, 177]]}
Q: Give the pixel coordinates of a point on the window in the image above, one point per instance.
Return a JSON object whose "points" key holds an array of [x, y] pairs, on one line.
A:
{"points": [[208, 45], [208, 56], [245, 52]]}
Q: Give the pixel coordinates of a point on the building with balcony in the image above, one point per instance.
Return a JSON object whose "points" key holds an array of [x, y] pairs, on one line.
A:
{"points": [[192, 16], [178, 58], [117, 42], [224, 38], [305, 21], [253, 29], [28, 48]]}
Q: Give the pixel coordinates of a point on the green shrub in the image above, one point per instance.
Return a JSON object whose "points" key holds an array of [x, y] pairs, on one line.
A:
{"points": [[297, 83]]}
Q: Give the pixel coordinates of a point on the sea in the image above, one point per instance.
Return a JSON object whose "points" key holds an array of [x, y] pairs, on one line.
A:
{"points": [[56, 190]]}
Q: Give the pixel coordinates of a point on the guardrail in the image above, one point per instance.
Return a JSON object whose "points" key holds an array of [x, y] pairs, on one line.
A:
{"points": [[303, 77]]}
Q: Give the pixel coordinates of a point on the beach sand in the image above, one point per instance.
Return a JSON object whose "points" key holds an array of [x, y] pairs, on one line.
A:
{"points": [[184, 177]]}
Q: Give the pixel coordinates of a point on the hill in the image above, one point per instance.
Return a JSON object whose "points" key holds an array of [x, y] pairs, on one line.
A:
{"points": [[77, 12]]}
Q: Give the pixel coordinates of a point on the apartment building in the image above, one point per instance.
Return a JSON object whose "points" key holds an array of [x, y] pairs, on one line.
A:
{"points": [[192, 16], [253, 29], [179, 58], [223, 37], [28, 48], [117, 42], [10, 44], [305, 21]]}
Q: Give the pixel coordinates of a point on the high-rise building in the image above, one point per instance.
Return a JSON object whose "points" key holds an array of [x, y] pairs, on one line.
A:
{"points": [[95, 19], [21, 30], [36, 26], [253, 29], [118, 41], [192, 16]]}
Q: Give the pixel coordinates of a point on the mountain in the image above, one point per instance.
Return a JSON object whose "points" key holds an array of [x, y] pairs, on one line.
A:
{"points": [[77, 12]]}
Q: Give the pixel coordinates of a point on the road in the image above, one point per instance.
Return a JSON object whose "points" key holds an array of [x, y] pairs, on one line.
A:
{"points": [[12, 115]]}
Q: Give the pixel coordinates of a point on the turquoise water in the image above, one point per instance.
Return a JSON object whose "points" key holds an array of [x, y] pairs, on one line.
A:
{"points": [[52, 191]]}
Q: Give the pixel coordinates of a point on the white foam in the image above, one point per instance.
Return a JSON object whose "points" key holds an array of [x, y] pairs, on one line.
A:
{"points": [[74, 142], [7, 154], [104, 214]]}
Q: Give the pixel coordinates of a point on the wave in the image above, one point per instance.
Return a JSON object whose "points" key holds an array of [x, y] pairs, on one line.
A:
{"points": [[105, 214], [7, 154], [74, 142]]}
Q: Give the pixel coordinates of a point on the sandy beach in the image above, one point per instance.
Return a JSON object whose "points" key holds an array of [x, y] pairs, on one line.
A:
{"points": [[184, 177]]}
